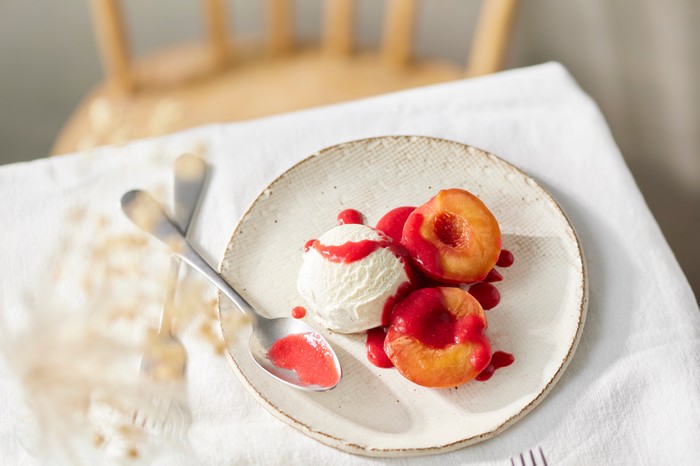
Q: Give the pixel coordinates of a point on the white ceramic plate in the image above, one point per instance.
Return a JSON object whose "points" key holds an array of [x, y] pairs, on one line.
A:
{"points": [[377, 412]]}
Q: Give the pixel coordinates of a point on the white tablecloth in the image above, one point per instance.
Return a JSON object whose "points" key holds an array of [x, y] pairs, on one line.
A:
{"points": [[632, 392]]}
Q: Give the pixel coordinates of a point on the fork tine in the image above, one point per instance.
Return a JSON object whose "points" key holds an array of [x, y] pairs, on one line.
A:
{"points": [[533, 458]]}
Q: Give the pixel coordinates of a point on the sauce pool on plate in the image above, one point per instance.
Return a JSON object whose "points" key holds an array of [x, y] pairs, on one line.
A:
{"points": [[299, 312]]}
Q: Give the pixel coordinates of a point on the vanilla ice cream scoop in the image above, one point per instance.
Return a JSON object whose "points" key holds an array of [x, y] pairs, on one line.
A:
{"points": [[348, 275]]}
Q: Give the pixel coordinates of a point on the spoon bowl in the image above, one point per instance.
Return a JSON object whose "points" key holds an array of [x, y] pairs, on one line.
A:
{"points": [[147, 214], [270, 331]]}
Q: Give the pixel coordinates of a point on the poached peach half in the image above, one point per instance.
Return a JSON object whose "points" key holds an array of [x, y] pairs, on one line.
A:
{"points": [[436, 338], [453, 238]]}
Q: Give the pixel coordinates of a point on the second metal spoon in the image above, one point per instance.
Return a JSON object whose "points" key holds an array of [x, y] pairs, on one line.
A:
{"points": [[188, 183]]}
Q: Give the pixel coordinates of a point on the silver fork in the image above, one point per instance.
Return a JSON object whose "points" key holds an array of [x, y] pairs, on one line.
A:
{"points": [[529, 458], [164, 362]]}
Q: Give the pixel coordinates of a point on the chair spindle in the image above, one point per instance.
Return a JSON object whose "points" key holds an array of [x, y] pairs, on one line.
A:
{"points": [[278, 37], [216, 17], [490, 42], [338, 16], [398, 32], [115, 55]]}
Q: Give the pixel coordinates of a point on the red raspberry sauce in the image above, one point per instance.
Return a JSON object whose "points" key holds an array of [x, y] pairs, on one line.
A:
{"points": [[423, 315], [375, 348], [388, 310], [427, 319], [421, 250], [498, 360], [393, 221], [506, 258], [493, 276], [299, 312], [350, 216], [487, 295], [308, 356], [349, 252]]}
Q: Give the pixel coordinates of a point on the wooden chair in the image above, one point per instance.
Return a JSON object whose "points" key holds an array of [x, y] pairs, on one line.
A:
{"points": [[221, 80]]}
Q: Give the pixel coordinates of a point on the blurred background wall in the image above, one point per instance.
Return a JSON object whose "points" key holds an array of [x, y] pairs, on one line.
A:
{"points": [[638, 59]]}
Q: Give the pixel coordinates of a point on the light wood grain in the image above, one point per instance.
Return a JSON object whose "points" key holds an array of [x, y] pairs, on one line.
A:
{"points": [[216, 16], [398, 32], [490, 42], [278, 26], [110, 30], [192, 84], [338, 26], [255, 87]]}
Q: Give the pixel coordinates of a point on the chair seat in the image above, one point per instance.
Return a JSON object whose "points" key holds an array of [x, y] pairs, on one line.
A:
{"points": [[176, 96]]}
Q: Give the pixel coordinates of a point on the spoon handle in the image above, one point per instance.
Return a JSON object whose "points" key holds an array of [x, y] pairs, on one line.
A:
{"points": [[146, 213], [190, 175], [188, 183]]}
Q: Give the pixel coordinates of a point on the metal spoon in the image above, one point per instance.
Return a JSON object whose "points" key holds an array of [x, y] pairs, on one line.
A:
{"points": [[147, 214], [188, 182]]}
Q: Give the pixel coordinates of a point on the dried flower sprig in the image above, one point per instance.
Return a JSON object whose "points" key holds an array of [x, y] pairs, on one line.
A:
{"points": [[77, 356]]}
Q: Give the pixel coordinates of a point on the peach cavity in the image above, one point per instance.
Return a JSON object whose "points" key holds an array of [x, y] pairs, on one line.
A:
{"points": [[453, 238]]}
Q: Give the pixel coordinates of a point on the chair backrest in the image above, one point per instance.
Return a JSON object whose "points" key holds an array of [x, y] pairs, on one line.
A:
{"points": [[486, 55]]}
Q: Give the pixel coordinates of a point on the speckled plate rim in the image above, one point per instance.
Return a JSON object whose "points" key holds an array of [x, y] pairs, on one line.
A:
{"points": [[367, 450]]}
